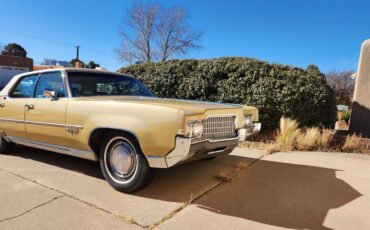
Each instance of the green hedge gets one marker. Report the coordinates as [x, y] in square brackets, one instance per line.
[276, 90]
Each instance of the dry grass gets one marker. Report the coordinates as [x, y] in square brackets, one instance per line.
[313, 139]
[127, 219]
[352, 143]
[272, 148]
[241, 165]
[224, 177]
[323, 142]
[287, 134]
[290, 137]
[306, 140]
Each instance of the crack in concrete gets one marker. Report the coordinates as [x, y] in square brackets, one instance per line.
[75, 198]
[153, 226]
[176, 211]
[31, 209]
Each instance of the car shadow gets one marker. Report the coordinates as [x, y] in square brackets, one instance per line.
[281, 194]
[87, 167]
[278, 194]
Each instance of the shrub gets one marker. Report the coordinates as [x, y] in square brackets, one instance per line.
[276, 90]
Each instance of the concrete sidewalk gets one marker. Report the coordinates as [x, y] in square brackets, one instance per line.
[304, 190]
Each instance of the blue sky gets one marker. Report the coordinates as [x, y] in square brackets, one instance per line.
[327, 33]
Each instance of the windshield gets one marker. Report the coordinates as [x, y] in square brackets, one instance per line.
[84, 84]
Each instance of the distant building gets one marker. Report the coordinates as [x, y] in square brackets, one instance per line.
[52, 64]
[11, 66]
[42, 67]
[60, 63]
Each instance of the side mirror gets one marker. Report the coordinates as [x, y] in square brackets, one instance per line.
[50, 94]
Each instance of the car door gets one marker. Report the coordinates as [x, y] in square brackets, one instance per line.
[45, 116]
[12, 107]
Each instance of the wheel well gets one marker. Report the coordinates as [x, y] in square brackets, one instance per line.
[97, 137]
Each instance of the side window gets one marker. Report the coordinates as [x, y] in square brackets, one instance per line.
[25, 87]
[52, 82]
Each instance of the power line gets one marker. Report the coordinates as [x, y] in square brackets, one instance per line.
[35, 37]
[89, 50]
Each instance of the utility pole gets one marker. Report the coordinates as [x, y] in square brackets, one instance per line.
[77, 52]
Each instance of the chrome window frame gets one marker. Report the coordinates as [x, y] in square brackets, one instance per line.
[50, 72]
[17, 83]
[62, 74]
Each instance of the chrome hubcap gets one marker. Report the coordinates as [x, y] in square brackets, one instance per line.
[122, 160]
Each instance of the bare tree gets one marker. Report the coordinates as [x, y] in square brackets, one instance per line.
[138, 31]
[175, 37]
[151, 32]
[342, 84]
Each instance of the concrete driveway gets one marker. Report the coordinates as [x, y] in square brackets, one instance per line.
[298, 190]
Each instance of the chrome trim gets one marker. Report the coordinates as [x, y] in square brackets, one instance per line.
[156, 162]
[107, 168]
[75, 126]
[225, 115]
[243, 133]
[12, 120]
[85, 154]
[219, 127]
[179, 153]
[66, 83]
[20, 78]
[42, 123]
[213, 141]
[218, 151]
[256, 128]
[252, 130]
[39, 73]
[182, 152]
[236, 118]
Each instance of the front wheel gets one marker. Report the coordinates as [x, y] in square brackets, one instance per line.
[123, 164]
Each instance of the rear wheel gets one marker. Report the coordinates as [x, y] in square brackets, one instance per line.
[5, 146]
[123, 164]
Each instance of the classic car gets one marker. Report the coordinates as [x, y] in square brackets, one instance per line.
[114, 119]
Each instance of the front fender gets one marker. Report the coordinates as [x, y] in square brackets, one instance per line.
[155, 128]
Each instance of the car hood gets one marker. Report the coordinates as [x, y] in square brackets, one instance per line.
[189, 106]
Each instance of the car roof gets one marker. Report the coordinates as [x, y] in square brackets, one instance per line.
[69, 69]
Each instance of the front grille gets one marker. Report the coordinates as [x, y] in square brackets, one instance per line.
[219, 127]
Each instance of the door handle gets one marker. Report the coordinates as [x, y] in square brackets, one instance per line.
[29, 106]
[2, 105]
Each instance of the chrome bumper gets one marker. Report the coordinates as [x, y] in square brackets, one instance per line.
[250, 131]
[185, 150]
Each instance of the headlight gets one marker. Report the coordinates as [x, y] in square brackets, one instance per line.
[248, 120]
[197, 129]
[194, 129]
